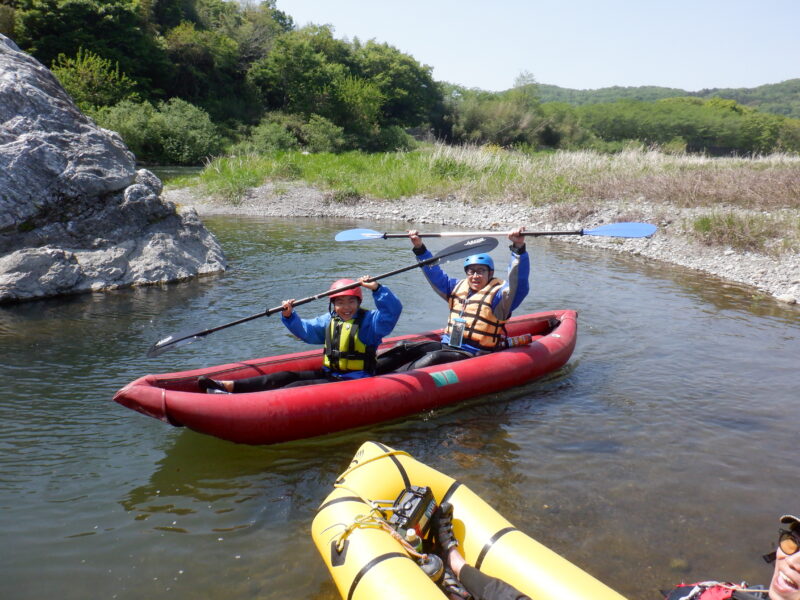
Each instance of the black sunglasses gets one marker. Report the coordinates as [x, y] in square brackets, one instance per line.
[788, 542]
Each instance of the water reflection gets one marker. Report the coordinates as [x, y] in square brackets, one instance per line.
[710, 290]
[663, 451]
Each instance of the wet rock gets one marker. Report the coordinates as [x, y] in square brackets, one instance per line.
[75, 214]
[680, 565]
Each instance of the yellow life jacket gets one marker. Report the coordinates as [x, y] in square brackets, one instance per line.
[344, 352]
[482, 329]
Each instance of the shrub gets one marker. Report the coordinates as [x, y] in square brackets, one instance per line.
[348, 196]
[92, 80]
[390, 139]
[132, 121]
[322, 135]
[270, 136]
[676, 145]
[185, 132]
[174, 133]
[291, 122]
[7, 20]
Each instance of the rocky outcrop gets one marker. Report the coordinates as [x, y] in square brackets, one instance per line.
[75, 214]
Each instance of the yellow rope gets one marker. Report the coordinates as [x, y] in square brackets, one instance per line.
[375, 518]
[361, 464]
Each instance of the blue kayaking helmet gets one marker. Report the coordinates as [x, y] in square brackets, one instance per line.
[479, 259]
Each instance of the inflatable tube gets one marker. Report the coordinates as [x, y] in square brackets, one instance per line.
[366, 562]
[286, 414]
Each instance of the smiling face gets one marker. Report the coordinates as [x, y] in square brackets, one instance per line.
[477, 277]
[346, 307]
[785, 584]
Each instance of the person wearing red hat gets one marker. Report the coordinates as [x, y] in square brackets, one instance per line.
[351, 335]
[784, 585]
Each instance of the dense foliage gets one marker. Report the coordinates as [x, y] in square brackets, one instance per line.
[93, 81]
[182, 80]
[777, 98]
[172, 132]
[690, 124]
[651, 93]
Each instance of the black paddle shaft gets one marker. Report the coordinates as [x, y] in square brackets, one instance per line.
[308, 299]
[471, 246]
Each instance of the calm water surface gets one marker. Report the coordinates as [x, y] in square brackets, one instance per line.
[665, 450]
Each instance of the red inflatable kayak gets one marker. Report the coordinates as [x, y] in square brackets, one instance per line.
[302, 412]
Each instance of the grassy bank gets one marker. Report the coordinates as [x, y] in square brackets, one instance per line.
[746, 203]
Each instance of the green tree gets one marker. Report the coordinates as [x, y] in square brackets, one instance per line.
[408, 89]
[218, 15]
[93, 81]
[204, 62]
[261, 25]
[113, 29]
[509, 118]
[561, 127]
[356, 106]
[763, 133]
[162, 15]
[297, 76]
[789, 138]
[525, 92]
[716, 126]
[8, 16]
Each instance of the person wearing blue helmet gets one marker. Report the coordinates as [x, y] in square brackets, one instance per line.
[480, 304]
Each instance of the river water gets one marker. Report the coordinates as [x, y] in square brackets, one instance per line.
[665, 450]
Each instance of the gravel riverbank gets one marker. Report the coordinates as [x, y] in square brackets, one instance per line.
[778, 277]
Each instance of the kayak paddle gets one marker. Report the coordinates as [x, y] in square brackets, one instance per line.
[467, 247]
[624, 230]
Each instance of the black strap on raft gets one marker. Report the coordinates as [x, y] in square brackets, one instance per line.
[488, 545]
[368, 566]
[398, 464]
[332, 343]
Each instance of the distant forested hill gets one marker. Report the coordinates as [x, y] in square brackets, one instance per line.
[778, 98]
[553, 93]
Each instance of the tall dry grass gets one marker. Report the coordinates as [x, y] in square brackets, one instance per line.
[572, 184]
[764, 183]
[766, 233]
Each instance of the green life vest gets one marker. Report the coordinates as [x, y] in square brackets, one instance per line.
[344, 351]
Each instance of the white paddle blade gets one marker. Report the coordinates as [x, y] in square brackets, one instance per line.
[354, 235]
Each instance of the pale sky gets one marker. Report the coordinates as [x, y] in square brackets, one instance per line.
[581, 44]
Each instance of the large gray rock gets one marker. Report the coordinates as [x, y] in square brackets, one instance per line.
[75, 214]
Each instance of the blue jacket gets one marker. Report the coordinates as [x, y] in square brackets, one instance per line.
[513, 291]
[374, 327]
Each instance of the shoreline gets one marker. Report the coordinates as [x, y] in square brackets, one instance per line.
[776, 277]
